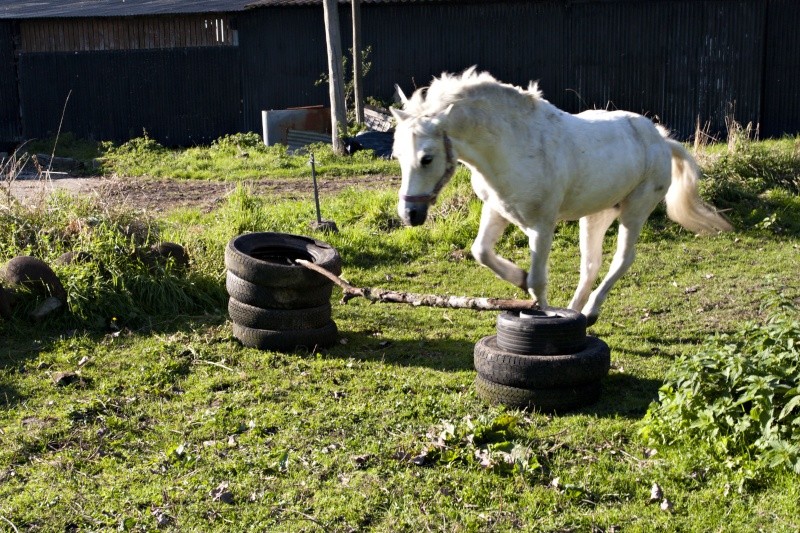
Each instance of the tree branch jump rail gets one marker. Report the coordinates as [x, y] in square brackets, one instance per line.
[429, 300]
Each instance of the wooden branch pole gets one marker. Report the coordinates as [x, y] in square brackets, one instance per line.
[428, 300]
[335, 78]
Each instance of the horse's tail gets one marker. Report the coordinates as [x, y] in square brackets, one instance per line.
[684, 204]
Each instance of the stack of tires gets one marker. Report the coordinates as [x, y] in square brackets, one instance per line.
[275, 303]
[542, 360]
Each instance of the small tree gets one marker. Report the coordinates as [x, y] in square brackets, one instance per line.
[350, 99]
[358, 95]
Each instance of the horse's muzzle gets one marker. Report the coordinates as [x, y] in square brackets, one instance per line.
[413, 214]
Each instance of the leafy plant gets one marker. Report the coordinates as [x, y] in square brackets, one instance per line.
[492, 444]
[238, 143]
[133, 158]
[117, 279]
[65, 145]
[738, 397]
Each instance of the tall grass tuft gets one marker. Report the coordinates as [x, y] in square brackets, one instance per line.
[759, 181]
[116, 281]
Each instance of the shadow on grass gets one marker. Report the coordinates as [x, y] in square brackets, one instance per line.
[9, 394]
[15, 352]
[623, 395]
[437, 354]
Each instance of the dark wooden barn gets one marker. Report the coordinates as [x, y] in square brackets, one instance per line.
[189, 72]
[117, 68]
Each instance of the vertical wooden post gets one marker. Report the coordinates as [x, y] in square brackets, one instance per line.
[358, 95]
[335, 79]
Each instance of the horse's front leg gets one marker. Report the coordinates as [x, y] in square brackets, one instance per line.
[541, 240]
[491, 229]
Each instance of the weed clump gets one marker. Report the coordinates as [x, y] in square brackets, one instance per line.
[738, 398]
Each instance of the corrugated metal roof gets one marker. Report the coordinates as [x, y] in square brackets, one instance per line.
[279, 3]
[26, 9]
[29, 9]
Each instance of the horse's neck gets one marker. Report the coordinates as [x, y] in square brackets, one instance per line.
[471, 130]
[487, 138]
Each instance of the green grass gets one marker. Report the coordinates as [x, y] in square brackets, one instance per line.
[171, 421]
[236, 157]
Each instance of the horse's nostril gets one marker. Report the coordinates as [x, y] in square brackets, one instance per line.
[415, 215]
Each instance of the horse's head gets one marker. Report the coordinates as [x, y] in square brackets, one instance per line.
[426, 158]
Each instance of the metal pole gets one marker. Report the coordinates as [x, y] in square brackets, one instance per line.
[316, 192]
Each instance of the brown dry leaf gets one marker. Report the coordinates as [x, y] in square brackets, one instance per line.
[161, 516]
[222, 494]
[361, 460]
[656, 493]
[62, 379]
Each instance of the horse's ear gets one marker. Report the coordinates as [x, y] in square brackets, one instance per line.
[399, 114]
[401, 94]
[443, 114]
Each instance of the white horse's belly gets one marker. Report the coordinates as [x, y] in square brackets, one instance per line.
[579, 203]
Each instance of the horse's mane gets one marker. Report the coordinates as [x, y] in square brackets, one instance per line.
[469, 85]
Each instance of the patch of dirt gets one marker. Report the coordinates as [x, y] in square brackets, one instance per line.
[154, 195]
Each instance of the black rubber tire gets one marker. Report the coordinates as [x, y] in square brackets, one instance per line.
[542, 371]
[276, 297]
[546, 400]
[34, 274]
[164, 252]
[278, 319]
[549, 331]
[73, 257]
[267, 259]
[290, 340]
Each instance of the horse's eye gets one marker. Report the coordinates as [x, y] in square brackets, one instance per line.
[426, 160]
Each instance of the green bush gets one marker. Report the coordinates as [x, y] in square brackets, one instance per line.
[753, 168]
[238, 142]
[738, 398]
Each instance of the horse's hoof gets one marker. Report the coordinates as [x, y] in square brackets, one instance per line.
[591, 319]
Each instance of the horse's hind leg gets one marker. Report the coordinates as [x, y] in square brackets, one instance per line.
[593, 230]
[630, 226]
[491, 229]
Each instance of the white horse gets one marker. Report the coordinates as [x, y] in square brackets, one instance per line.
[533, 165]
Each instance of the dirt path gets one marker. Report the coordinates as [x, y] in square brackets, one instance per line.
[163, 195]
